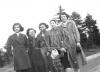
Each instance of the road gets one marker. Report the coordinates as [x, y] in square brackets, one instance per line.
[93, 64]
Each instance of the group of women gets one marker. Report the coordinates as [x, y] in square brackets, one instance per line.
[55, 50]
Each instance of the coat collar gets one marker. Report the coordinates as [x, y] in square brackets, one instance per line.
[18, 39]
[18, 34]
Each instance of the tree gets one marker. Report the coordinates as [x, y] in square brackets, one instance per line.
[61, 10]
[77, 18]
[93, 30]
[81, 27]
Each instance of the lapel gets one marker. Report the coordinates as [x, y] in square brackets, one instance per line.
[18, 39]
[45, 34]
[33, 42]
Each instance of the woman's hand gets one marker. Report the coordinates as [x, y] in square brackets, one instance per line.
[48, 53]
[78, 47]
[78, 44]
[63, 49]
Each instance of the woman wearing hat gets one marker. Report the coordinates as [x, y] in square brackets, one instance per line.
[19, 43]
[43, 43]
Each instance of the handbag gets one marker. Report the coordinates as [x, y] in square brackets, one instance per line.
[78, 49]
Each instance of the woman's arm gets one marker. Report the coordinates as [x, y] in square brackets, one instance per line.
[8, 46]
[76, 32]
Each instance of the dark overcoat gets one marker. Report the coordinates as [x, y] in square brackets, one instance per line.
[20, 55]
[42, 42]
[36, 58]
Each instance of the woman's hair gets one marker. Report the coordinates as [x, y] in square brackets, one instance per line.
[53, 20]
[21, 28]
[44, 25]
[27, 32]
[64, 13]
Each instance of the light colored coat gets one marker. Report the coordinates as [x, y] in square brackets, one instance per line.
[74, 38]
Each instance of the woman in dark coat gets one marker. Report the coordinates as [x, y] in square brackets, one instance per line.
[34, 52]
[43, 43]
[19, 43]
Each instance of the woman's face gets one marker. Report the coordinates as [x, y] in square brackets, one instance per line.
[31, 33]
[42, 27]
[63, 17]
[17, 28]
[53, 24]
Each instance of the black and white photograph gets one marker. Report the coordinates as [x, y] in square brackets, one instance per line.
[49, 36]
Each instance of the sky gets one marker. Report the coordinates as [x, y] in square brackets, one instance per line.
[30, 13]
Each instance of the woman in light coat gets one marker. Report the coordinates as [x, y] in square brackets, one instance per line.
[74, 39]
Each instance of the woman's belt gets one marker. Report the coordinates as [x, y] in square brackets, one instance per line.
[20, 46]
[49, 48]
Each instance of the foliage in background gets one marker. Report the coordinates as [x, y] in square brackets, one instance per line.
[4, 58]
[87, 27]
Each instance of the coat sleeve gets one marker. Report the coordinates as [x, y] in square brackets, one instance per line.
[38, 41]
[9, 45]
[48, 40]
[76, 32]
[26, 41]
